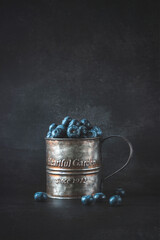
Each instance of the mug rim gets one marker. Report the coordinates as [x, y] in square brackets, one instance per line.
[72, 139]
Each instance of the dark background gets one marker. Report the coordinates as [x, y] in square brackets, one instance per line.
[83, 59]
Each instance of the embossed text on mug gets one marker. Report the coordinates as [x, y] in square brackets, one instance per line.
[71, 180]
[67, 163]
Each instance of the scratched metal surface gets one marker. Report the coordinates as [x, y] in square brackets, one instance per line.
[73, 167]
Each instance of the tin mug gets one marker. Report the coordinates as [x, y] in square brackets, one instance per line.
[74, 166]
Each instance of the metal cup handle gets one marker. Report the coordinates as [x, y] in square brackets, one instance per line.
[130, 154]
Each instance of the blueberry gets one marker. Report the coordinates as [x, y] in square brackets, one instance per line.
[74, 122]
[58, 133]
[92, 133]
[40, 196]
[49, 135]
[83, 131]
[115, 200]
[64, 129]
[87, 200]
[98, 130]
[52, 127]
[99, 197]
[66, 121]
[73, 132]
[86, 123]
[120, 192]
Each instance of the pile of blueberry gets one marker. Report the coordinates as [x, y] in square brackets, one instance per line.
[115, 200]
[72, 128]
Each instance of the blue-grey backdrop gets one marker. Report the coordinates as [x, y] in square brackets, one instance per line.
[78, 58]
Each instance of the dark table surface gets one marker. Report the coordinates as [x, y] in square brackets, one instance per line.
[23, 218]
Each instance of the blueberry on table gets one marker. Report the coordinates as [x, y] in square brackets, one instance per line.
[52, 127]
[73, 132]
[49, 135]
[99, 197]
[115, 200]
[83, 131]
[40, 196]
[66, 121]
[58, 133]
[86, 123]
[92, 133]
[87, 200]
[98, 131]
[120, 192]
[74, 122]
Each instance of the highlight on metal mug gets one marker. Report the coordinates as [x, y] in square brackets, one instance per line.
[74, 166]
